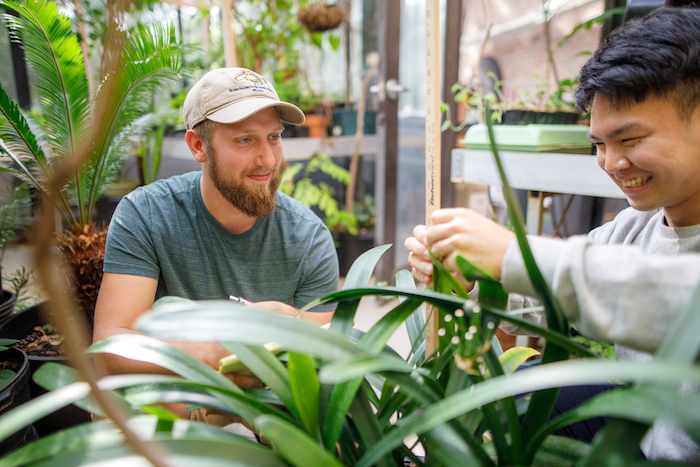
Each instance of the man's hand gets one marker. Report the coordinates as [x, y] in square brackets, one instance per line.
[317, 317]
[418, 256]
[460, 231]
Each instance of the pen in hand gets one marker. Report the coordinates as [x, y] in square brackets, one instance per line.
[240, 300]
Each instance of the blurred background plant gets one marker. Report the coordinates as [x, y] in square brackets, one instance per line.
[299, 183]
[149, 59]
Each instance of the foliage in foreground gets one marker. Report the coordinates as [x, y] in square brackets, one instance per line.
[340, 397]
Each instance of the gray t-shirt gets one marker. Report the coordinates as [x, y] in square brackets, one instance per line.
[164, 231]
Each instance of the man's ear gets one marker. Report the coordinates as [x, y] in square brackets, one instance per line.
[196, 145]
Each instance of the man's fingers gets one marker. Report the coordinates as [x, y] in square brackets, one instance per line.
[444, 215]
[416, 247]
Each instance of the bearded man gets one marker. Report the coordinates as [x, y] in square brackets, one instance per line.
[219, 232]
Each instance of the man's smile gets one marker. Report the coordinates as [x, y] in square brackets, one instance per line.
[635, 182]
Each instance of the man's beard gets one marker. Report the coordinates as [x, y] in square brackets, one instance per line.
[256, 202]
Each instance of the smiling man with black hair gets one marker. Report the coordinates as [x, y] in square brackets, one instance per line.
[619, 284]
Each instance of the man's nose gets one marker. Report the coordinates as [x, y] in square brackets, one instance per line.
[613, 160]
[266, 156]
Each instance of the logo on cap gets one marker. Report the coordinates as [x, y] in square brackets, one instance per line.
[252, 78]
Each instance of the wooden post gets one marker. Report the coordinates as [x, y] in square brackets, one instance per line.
[229, 41]
[432, 141]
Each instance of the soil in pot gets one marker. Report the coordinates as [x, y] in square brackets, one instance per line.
[21, 326]
[44, 341]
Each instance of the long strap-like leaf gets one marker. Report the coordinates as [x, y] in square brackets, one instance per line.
[543, 401]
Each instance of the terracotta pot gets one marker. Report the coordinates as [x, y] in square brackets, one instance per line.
[317, 125]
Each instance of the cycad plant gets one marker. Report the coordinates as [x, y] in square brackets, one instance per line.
[61, 128]
[340, 397]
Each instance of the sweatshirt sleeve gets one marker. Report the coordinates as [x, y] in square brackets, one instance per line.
[610, 293]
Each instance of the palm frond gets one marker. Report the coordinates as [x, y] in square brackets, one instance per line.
[54, 55]
[19, 143]
[109, 164]
[16, 133]
[151, 59]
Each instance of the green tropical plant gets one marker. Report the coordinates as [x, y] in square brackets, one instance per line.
[349, 400]
[36, 142]
[297, 182]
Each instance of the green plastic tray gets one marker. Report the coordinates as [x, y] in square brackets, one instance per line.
[531, 138]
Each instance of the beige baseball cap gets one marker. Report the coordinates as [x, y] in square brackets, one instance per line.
[229, 95]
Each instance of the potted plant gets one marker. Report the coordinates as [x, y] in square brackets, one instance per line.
[31, 331]
[14, 391]
[151, 59]
[310, 183]
[350, 400]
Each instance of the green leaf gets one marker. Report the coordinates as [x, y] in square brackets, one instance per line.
[293, 444]
[542, 403]
[266, 366]
[449, 448]
[37, 408]
[358, 275]
[317, 39]
[554, 375]
[213, 318]
[444, 274]
[367, 425]
[6, 376]
[450, 303]
[345, 370]
[52, 375]
[613, 444]
[512, 358]
[334, 40]
[337, 409]
[305, 389]
[361, 270]
[415, 323]
[375, 339]
[150, 389]
[557, 451]
[472, 272]
[147, 349]
[642, 405]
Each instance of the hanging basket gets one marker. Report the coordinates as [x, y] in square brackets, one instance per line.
[321, 16]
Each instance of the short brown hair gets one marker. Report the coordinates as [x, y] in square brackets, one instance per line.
[205, 130]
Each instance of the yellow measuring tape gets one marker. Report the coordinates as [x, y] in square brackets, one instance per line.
[432, 141]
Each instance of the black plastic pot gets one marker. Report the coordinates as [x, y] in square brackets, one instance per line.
[19, 326]
[13, 394]
[7, 304]
[350, 247]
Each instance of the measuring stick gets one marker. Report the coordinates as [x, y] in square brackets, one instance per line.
[432, 142]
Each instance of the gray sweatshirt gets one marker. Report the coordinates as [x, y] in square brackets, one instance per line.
[629, 296]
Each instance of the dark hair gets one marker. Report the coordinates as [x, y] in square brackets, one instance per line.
[658, 54]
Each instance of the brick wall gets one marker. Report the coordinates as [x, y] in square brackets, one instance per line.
[517, 40]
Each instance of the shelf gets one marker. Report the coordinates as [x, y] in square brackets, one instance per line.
[549, 172]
